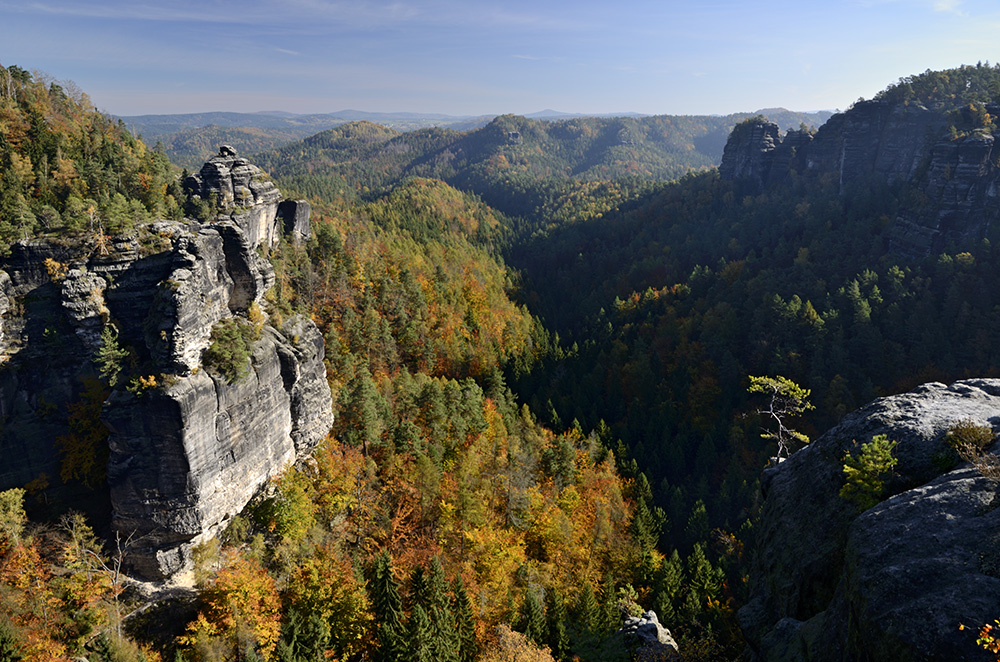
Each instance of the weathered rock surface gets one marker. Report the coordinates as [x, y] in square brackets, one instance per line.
[650, 639]
[958, 174]
[187, 457]
[294, 215]
[188, 453]
[243, 193]
[894, 582]
[749, 152]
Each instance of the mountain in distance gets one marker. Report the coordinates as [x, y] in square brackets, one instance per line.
[576, 282]
[549, 114]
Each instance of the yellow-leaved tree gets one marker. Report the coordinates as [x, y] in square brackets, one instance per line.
[242, 614]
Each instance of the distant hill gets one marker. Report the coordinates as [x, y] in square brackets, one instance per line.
[190, 139]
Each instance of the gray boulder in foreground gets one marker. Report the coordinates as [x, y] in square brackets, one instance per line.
[650, 639]
[895, 582]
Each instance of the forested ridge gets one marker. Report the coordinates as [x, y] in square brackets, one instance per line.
[66, 168]
[539, 342]
[560, 170]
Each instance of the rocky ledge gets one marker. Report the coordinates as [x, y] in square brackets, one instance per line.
[830, 583]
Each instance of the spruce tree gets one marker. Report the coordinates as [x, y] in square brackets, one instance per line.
[555, 612]
[587, 610]
[465, 625]
[533, 618]
[668, 595]
[702, 577]
[421, 637]
[419, 589]
[387, 607]
[610, 617]
[437, 585]
[10, 650]
[304, 638]
[444, 634]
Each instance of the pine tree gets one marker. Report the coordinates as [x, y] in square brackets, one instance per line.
[102, 648]
[387, 608]
[361, 405]
[110, 356]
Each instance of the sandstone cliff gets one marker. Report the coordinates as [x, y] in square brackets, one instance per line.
[894, 582]
[956, 173]
[189, 449]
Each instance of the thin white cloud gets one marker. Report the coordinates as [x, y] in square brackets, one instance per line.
[131, 11]
[950, 6]
[286, 51]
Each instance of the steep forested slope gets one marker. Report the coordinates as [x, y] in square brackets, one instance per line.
[545, 445]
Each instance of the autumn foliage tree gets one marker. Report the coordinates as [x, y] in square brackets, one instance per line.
[241, 616]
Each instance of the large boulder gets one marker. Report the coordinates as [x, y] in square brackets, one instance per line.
[830, 583]
[649, 639]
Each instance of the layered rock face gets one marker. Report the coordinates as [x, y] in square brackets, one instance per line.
[892, 583]
[188, 450]
[242, 192]
[187, 457]
[893, 142]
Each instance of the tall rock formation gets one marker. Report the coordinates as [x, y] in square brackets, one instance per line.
[188, 448]
[830, 584]
[956, 173]
[238, 190]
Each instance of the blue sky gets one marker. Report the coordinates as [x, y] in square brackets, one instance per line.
[471, 57]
